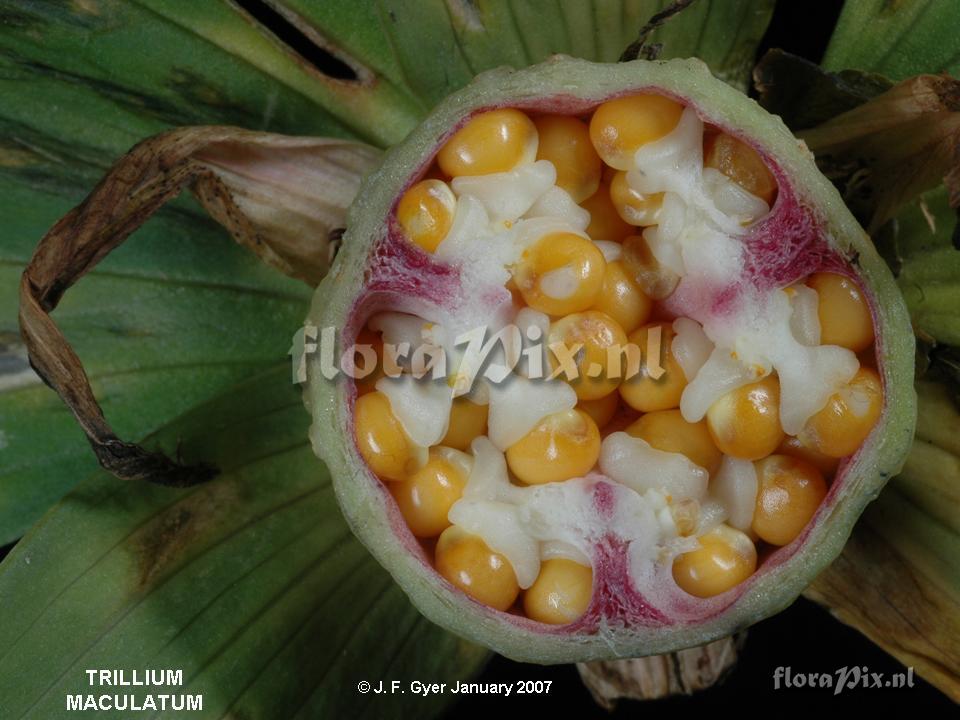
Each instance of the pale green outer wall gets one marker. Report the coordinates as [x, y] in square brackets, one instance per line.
[364, 506]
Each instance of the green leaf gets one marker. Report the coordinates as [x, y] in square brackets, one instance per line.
[929, 267]
[896, 38]
[723, 33]
[251, 584]
[354, 30]
[158, 64]
[471, 37]
[930, 479]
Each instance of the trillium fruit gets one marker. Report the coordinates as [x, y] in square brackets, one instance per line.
[697, 373]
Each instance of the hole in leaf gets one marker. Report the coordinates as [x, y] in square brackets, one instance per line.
[296, 40]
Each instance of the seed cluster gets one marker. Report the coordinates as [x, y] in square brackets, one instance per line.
[605, 288]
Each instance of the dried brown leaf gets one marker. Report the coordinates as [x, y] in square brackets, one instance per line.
[882, 594]
[292, 193]
[898, 578]
[681, 673]
[893, 147]
[281, 197]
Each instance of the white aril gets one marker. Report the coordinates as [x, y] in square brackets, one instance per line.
[508, 195]
[557, 203]
[422, 406]
[735, 489]
[632, 462]
[517, 405]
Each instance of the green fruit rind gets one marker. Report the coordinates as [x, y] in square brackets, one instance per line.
[364, 501]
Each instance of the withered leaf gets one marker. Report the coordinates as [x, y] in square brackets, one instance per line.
[279, 196]
[887, 151]
[658, 676]
[898, 578]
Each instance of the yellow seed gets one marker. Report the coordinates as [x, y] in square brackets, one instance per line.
[726, 557]
[653, 278]
[381, 439]
[794, 447]
[845, 318]
[469, 564]
[635, 208]
[605, 221]
[602, 409]
[561, 592]
[667, 430]
[494, 141]
[600, 335]
[789, 491]
[562, 446]
[427, 495]
[368, 384]
[620, 127]
[840, 428]
[622, 299]
[467, 421]
[644, 392]
[425, 212]
[741, 163]
[561, 273]
[745, 423]
[565, 141]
